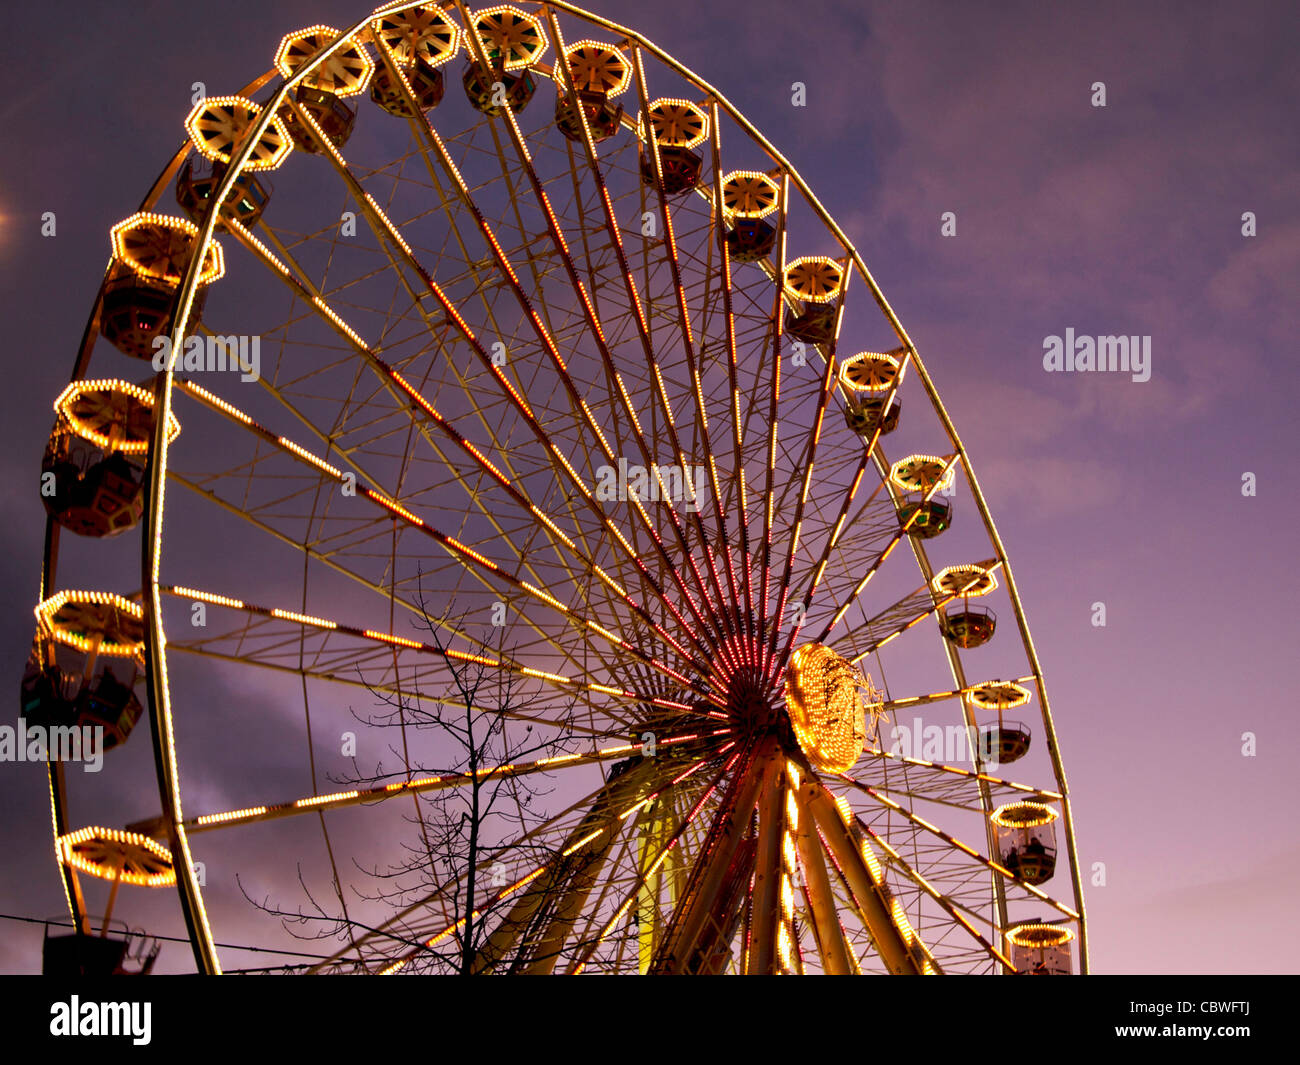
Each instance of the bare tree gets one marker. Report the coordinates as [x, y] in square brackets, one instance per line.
[469, 839]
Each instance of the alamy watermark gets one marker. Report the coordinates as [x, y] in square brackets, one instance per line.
[675, 484]
[212, 354]
[59, 743]
[131, 1020]
[1109, 354]
[949, 744]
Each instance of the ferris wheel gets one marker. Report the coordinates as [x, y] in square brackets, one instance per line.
[537, 361]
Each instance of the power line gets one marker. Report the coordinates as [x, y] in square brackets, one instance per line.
[172, 939]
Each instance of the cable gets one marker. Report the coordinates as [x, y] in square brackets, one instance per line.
[172, 939]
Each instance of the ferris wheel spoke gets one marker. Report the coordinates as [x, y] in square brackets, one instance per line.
[943, 783]
[469, 557]
[407, 687]
[425, 783]
[399, 387]
[869, 636]
[907, 702]
[729, 323]
[828, 381]
[409, 398]
[842, 513]
[687, 336]
[897, 537]
[778, 332]
[971, 854]
[437, 149]
[327, 628]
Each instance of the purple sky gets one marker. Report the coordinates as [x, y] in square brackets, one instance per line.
[1117, 220]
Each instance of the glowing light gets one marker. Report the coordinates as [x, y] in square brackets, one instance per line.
[966, 580]
[204, 396]
[901, 922]
[160, 246]
[1023, 815]
[998, 695]
[208, 597]
[596, 67]
[787, 849]
[584, 841]
[814, 278]
[231, 815]
[111, 854]
[869, 371]
[783, 946]
[345, 73]
[530, 672]
[388, 637]
[921, 473]
[397, 508]
[872, 862]
[422, 32]
[678, 123]
[749, 194]
[124, 410]
[303, 619]
[302, 452]
[94, 621]
[317, 800]
[218, 123]
[828, 716]
[510, 35]
[1038, 936]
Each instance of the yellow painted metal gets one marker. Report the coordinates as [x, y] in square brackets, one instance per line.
[895, 951]
[830, 936]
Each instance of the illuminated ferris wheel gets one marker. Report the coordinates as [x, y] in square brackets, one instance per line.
[538, 360]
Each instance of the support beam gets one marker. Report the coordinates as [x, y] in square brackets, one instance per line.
[902, 956]
[720, 847]
[826, 923]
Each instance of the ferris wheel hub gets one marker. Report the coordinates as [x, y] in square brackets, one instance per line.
[826, 711]
[749, 704]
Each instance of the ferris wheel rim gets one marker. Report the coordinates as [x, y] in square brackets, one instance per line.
[157, 673]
